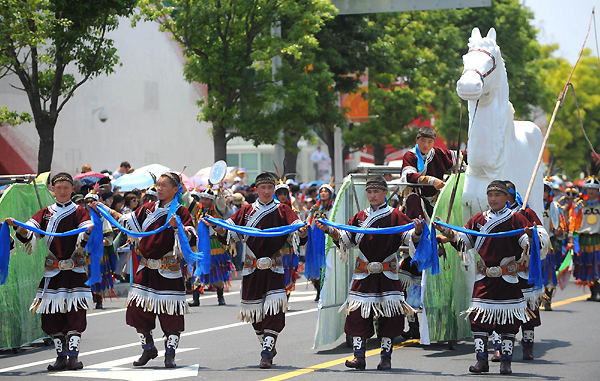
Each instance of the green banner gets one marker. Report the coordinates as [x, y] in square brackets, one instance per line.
[448, 293]
[18, 326]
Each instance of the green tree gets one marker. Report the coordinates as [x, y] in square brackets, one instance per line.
[569, 151]
[520, 51]
[399, 87]
[229, 46]
[40, 39]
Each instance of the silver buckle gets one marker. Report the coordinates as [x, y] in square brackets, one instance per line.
[66, 264]
[494, 272]
[153, 264]
[375, 267]
[263, 263]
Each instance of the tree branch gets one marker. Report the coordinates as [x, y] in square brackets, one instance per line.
[15, 87]
[85, 78]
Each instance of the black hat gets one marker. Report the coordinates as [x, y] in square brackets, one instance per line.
[377, 182]
[103, 181]
[426, 132]
[77, 198]
[499, 186]
[265, 178]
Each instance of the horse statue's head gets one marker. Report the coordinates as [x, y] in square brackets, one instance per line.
[483, 67]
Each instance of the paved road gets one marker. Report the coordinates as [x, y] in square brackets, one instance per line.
[216, 346]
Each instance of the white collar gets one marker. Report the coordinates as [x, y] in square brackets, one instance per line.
[501, 211]
[260, 203]
[378, 208]
[68, 203]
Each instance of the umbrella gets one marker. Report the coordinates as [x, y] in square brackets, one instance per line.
[313, 183]
[89, 178]
[189, 184]
[201, 177]
[140, 178]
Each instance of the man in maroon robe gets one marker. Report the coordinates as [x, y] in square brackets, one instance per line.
[264, 299]
[420, 201]
[158, 289]
[497, 303]
[533, 297]
[63, 297]
[375, 290]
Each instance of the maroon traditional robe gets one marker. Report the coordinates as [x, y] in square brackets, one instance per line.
[264, 300]
[376, 295]
[497, 301]
[62, 296]
[158, 291]
[532, 297]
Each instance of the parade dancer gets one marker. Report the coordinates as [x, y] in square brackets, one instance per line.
[584, 224]
[158, 289]
[533, 297]
[214, 205]
[264, 299]
[375, 290]
[555, 225]
[288, 253]
[108, 262]
[62, 298]
[322, 209]
[497, 303]
[423, 164]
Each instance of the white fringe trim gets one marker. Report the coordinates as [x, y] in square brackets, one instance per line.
[408, 280]
[60, 305]
[254, 311]
[155, 305]
[387, 308]
[498, 316]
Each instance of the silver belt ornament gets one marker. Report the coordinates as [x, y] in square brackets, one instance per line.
[153, 264]
[493, 272]
[375, 268]
[66, 264]
[264, 263]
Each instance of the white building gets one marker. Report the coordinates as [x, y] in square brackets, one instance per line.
[152, 118]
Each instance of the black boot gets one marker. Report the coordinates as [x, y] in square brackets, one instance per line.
[196, 298]
[508, 343]
[150, 352]
[413, 327]
[171, 344]
[60, 343]
[386, 354]
[360, 347]
[481, 345]
[595, 290]
[268, 351]
[548, 301]
[317, 284]
[527, 344]
[220, 296]
[73, 340]
[98, 297]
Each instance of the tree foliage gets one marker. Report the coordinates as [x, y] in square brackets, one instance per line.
[569, 151]
[230, 45]
[40, 39]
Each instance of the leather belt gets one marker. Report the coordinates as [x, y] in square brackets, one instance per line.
[170, 263]
[363, 267]
[510, 268]
[263, 263]
[64, 264]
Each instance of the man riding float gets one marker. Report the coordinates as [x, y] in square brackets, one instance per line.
[423, 164]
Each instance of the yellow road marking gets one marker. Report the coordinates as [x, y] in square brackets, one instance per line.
[374, 352]
[329, 364]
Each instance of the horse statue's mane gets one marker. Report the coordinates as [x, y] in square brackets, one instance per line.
[498, 147]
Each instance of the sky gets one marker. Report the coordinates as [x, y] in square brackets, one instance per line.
[565, 22]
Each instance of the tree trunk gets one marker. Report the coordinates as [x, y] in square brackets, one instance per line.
[291, 159]
[379, 154]
[45, 128]
[330, 141]
[219, 142]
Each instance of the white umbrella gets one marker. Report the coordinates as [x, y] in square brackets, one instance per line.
[140, 178]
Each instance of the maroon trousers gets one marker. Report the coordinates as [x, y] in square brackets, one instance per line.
[256, 287]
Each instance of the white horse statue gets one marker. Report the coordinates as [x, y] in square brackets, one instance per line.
[498, 148]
